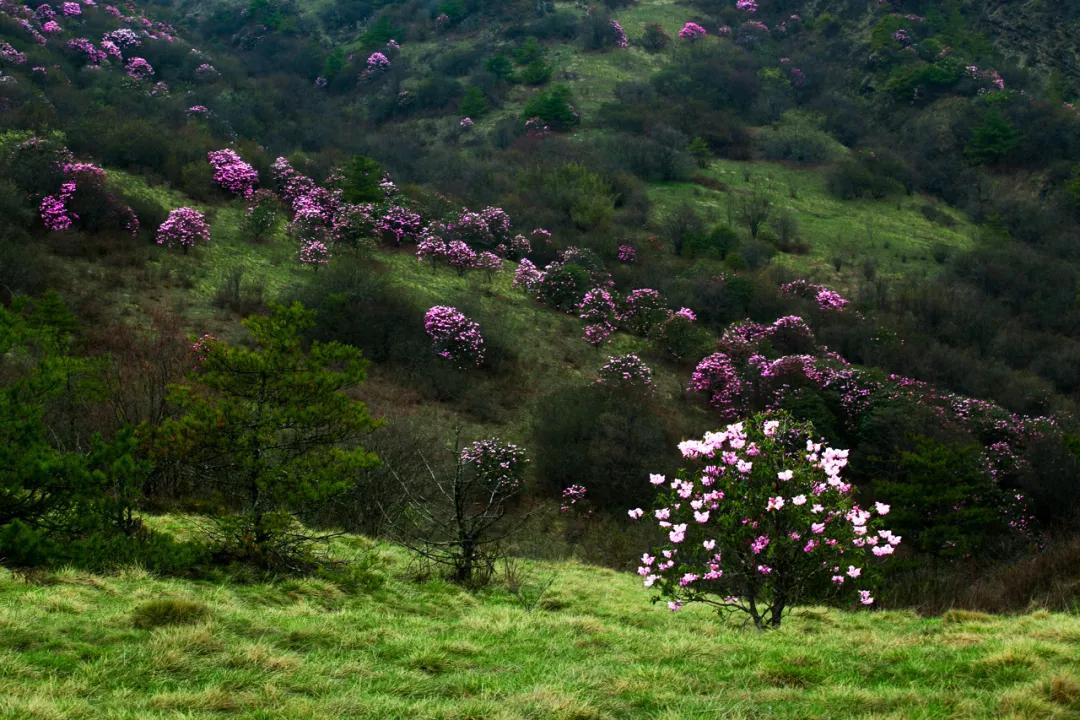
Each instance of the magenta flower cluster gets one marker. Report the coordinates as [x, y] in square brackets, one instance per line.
[621, 40]
[9, 54]
[598, 311]
[54, 212]
[826, 298]
[71, 9]
[761, 515]
[185, 228]
[232, 173]
[139, 69]
[625, 371]
[627, 254]
[377, 61]
[692, 31]
[455, 337]
[314, 253]
[499, 464]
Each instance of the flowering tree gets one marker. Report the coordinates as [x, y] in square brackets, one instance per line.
[625, 371]
[458, 521]
[643, 310]
[527, 276]
[54, 212]
[597, 309]
[454, 336]
[184, 228]
[460, 256]
[692, 31]
[761, 521]
[139, 69]
[232, 173]
[314, 253]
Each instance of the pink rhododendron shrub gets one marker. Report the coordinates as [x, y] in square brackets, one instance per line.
[621, 40]
[527, 276]
[643, 311]
[377, 61]
[627, 254]
[124, 38]
[692, 31]
[71, 9]
[314, 253]
[139, 69]
[489, 262]
[232, 173]
[488, 227]
[625, 372]
[825, 298]
[761, 520]
[184, 228]
[54, 212]
[8, 53]
[460, 256]
[399, 224]
[454, 336]
[717, 378]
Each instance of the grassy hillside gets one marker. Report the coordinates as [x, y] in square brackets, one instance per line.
[384, 645]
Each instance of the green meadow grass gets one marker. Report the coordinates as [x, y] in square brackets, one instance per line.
[390, 645]
[892, 233]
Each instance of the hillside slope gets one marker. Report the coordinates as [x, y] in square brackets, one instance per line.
[382, 645]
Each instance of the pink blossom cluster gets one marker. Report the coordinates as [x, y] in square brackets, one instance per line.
[643, 310]
[86, 170]
[377, 61]
[625, 371]
[399, 224]
[621, 40]
[692, 31]
[498, 463]
[198, 110]
[571, 496]
[717, 377]
[185, 228]
[51, 27]
[527, 276]
[520, 246]
[826, 298]
[487, 227]
[53, 209]
[597, 309]
[761, 513]
[627, 254]
[466, 123]
[124, 38]
[206, 71]
[71, 9]
[139, 69]
[747, 6]
[314, 253]
[9, 54]
[232, 173]
[454, 336]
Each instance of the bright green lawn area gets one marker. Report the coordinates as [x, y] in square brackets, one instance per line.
[593, 647]
[893, 233]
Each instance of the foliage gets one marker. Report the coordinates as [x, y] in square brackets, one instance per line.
[762, 522]
[271, 431]
[458, 519]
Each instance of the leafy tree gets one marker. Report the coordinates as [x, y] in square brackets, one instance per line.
[992, 141]
[473, 103]
[54, 488]
[947, 504]
[555, 107]
[273, 429]
[360, 180]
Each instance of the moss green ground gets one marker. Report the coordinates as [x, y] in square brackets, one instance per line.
[387, 645]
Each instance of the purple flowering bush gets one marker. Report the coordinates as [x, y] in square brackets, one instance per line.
[184, 228]
[760, 521]
[232, 173]
[454, 336]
